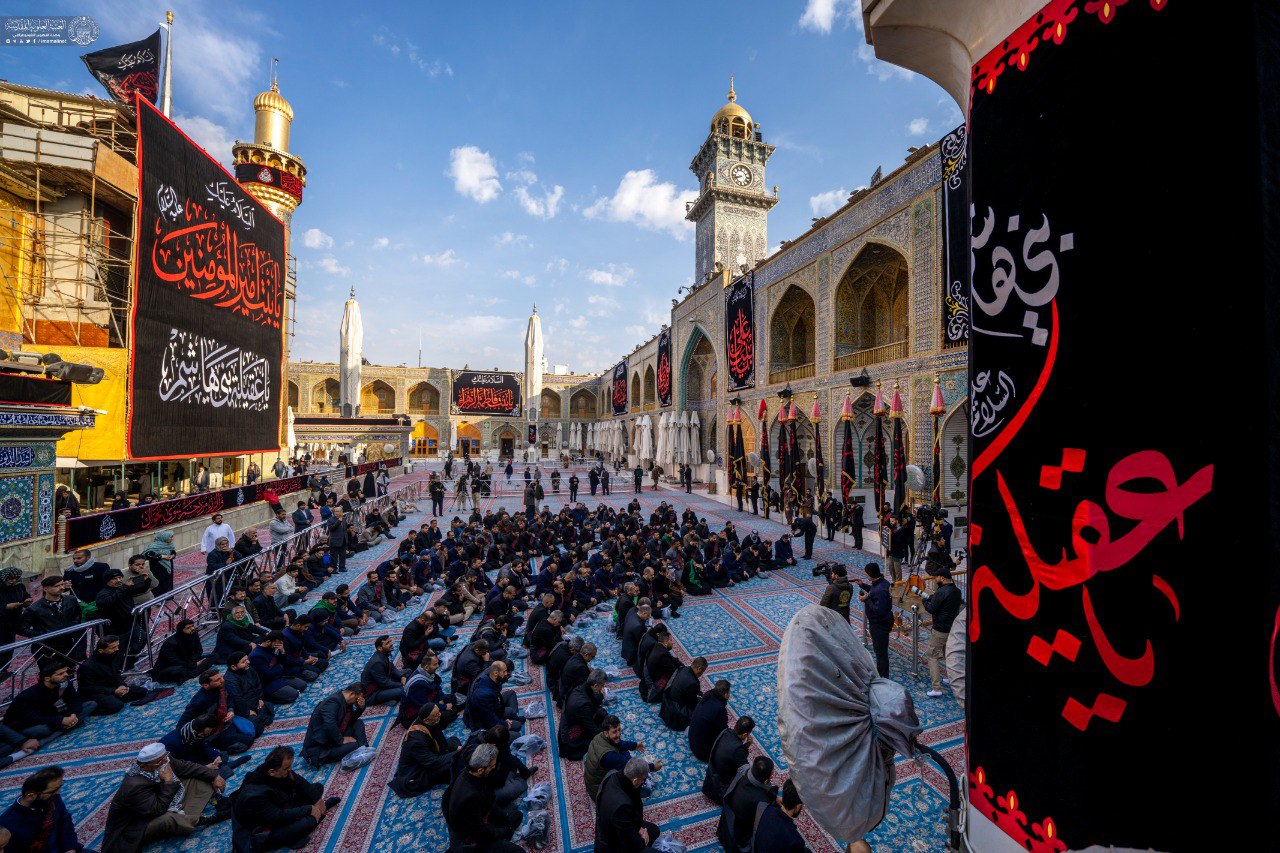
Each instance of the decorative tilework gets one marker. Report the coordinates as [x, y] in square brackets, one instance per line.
[14, 457]
[17, 507]
[30, 419]
[44, 504]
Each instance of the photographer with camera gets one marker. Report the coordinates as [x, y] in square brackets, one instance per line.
[944, 606]
[839, 591]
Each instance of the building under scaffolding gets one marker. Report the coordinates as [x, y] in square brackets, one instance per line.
[68, 191]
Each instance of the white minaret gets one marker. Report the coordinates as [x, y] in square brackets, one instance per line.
[533, 365]
[350, 358]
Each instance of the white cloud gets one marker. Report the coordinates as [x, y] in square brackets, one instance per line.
[447, 258]
[381, 243]
[557, 265]
[511, 274]
[331, 265]
[640, 199]
[314, 238]
[602, 306]
[474, 173]
[578, 322]
[509, 238]
[820, 15]
[544, 206]
[918, 126]
[637, 332]
[209, 135]
[828, 202]
[881, 70]
[614, 275]
[433, 68]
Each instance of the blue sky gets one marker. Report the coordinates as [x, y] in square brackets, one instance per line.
[467, 160]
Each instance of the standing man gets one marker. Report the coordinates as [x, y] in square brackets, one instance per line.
[202, 478]
[688, 479]
[604, 480]
[301, 517]
[215, 531]
[573, 488]
[803, 525]
[839, 591]
[337, 529]
[879, 607]
[753, 492]
[899, 547]
[944, 606]
[857, 520]
[85, 575]
[638, 476]
[593, 477]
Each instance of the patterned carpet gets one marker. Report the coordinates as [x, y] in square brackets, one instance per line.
[738, 630]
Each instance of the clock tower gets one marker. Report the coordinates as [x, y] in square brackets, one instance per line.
[732, 207]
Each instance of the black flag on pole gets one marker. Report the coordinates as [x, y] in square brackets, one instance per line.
[846, 463]
[128, 69]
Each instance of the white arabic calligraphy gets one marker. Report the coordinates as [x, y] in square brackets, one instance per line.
[989, 400]
[199, 370]
[131, 59]
[167, 201]
[222, 193]
[1003, 275]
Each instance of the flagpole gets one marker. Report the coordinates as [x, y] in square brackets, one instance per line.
[166, 104]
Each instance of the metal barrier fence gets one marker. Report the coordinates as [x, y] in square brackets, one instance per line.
[202, 599]
[66, 645]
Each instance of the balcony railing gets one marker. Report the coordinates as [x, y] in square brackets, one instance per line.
[648, 407]
[872, 355]
[791, 374]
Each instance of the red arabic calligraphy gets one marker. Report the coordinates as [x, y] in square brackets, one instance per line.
[142, 82]
[486, 399]
[664, 377]
[741, 349]
[209, 260]
[620, 393]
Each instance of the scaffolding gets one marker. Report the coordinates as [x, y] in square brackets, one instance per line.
[68, 182]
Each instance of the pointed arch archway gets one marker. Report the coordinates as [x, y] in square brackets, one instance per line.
[582, 405]
[650, 386]
[954, 433]
[377, 398]
[549, 404]
[698, 371]
[792, 337]
[633, 400]
[324, 396]
[424, 399]
[871, 303]
[293, 395]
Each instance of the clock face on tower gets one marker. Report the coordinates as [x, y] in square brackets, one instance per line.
[741, 175]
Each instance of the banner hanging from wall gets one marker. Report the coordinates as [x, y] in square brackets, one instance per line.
[251, 173]
[128, 69]
[954, 152]
[664, 368]
[619, 394]
[1093, 696]
[492, 393]
[207, 340]
[740, 333]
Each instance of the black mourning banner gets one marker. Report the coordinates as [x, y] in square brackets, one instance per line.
[206, 342]
[954, 152]
[740, 333]
[128, 69]
[664, 368]
[533, 434]
[1105, 663]
[493, 393]
[256, 173]
[620, 388]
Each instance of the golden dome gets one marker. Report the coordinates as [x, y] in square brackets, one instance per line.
[273, 100]
[730, 112]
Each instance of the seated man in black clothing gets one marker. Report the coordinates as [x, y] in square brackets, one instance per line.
[545, 637]
[749, 788]
[583, 714]
[636, 623]
[681, 696]
[475, 821]
[425, 756]
[620, 823]
[335, 730]
[270, 616]
[50, 707]
[776, 829]
[275, 807]
[728, 753]
[99, 679]
[710, 717]
[660, 666]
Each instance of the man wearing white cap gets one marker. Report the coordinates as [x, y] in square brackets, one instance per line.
[161, 797]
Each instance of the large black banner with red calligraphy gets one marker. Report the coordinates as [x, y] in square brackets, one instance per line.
[206, 342]
[740, 333]
[129, 69]
[619, 390]
[493, 393]
[664, 368]
[1109, 649]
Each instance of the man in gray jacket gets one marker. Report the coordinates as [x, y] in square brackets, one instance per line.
[161, 797]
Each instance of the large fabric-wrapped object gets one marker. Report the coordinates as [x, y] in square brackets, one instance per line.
[841, 724]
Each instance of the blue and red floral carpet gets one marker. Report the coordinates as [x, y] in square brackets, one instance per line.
[738, 630]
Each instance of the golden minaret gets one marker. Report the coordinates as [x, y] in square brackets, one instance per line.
[265, 167]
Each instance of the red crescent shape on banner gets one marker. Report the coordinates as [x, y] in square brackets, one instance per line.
[996, 447]
[1275, 689]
